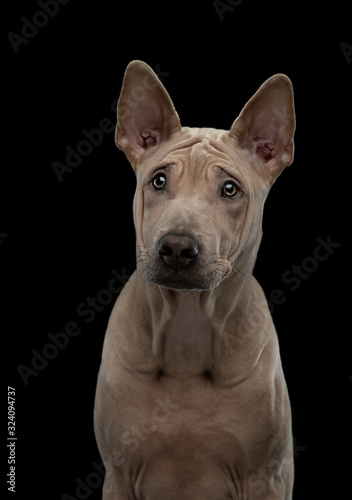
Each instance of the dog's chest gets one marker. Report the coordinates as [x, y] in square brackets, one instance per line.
[187, 466]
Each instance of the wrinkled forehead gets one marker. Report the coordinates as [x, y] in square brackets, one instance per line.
[197, 149]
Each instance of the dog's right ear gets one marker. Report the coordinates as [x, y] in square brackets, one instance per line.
[145, 113]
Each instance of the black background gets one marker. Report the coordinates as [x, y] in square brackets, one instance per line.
[60, 240]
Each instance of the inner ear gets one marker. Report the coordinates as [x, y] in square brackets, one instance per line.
[268, 136]
[264, 142]
[148, 124]
[150, 138]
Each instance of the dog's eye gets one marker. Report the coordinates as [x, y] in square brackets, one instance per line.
[159, 182]
[230, 190]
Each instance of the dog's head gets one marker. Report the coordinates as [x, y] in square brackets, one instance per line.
[200, 192]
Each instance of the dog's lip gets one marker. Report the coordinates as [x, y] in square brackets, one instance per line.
[197, 275]
[180, 280]
[182, 287]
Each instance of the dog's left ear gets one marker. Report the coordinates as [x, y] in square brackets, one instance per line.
[145, 113]
[266, 125]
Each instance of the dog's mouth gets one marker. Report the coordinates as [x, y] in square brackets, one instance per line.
[182, 280]
[179, 280]
[198, 275]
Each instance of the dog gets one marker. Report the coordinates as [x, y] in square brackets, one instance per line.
[191, 400]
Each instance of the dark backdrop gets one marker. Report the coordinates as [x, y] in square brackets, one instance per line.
[62, 242]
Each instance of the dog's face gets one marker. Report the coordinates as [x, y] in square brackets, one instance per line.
[200, 192]
[195, 210]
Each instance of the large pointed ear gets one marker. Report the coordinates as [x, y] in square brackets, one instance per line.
[145, 113]
[266, 125]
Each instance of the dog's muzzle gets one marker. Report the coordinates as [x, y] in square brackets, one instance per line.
[181, 262]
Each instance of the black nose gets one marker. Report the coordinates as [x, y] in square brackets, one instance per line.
[178, 251]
